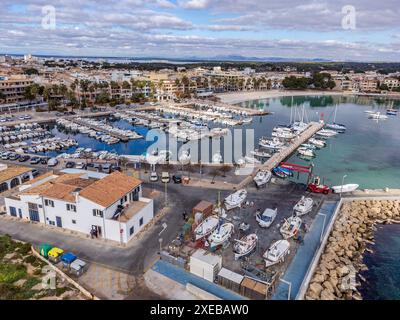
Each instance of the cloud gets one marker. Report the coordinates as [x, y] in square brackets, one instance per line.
[194, 4]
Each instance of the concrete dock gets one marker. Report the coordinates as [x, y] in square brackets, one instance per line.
[284, 153]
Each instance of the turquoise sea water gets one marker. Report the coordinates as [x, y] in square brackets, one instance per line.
[368, 153]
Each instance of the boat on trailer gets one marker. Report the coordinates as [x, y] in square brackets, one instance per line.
[206, 227]
[245, 245]
[304, 206]
[290, 227]
[345, 188]
[235, 199]
[221, 234]
[276, 252]
[262, 178]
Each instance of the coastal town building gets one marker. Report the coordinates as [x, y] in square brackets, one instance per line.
[108, 206]
[13, 176]
[13, 87]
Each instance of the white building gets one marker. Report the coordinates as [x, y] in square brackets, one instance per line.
[12, 176]
[112, 206]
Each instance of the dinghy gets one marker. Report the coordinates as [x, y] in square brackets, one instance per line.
[291, 227]
[262, 178]
[245, 245]
[235, 199]
[206, 227]
[221, 234]
[345, 188]
[266, 218]
[276, 252]
[304, 206]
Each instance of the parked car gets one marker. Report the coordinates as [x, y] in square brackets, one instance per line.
[35, 172]
[153, 176]
[24, 158]
[106, 168]
[52, 162]
[35, 160]
[5, 155]
[44, 160]
[80, 165]
[13, 156]
[114, 167]
[70, 164]
[177, 178]
[165, 178]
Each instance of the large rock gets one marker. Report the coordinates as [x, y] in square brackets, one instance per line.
[328, 286]
[342, 271]
[315, 290]
[327, 295]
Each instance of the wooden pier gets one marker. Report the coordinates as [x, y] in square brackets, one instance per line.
[284, 153]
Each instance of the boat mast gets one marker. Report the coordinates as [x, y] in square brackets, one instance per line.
[334, 117]
[291, 111]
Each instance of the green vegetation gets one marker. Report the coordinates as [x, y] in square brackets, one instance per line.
[319, 80]
[31, 71]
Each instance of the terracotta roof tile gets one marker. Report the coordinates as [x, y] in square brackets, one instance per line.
[110, 189]
[12, 171]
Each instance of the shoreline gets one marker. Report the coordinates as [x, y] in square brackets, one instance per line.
[339, 269]
[238, 97]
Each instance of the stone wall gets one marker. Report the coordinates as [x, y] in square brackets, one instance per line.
[336, 276]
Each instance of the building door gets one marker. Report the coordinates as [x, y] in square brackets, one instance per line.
[96, 230]
[59, 222]
[33, 212]
[13, 211]
[20, 213]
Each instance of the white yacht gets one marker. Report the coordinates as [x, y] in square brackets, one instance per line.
[260, 154]
[290, 227]
[317, 143]
[271, 143]
[206, 227]
[251, 160]
[327, 133]
[245, 245]
[262, 178]
[276, 252]
[306, 152]
[221, 234]
[304, 206]
[235, 199]
[267, 217]
[377, 116]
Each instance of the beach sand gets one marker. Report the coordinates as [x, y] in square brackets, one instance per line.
[236, 97]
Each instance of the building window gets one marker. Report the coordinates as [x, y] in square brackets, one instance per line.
[49, 203]
[52, 223]
[97, 213]
[71, 207]
[13, 211]
[73, 221]
[131, 230]
[141, 221]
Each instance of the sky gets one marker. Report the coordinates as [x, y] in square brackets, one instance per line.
[340, 30]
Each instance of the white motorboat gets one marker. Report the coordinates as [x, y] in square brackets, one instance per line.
[284, 134]
[221, 234]
[262, 178]
[308, 146]
[235, 199]
[247, 120]
[206, 227]
[345, 188]
[276, 252]
[245, 245]
[274, 143]
[267, 217]
[184, 158]
[261, 154]
[217, 158]
[306, 152]
[290, 227]
[377, 116]
[317, 143]
[304, 206]
[327, 133]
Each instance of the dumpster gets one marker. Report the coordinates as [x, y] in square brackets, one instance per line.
[44, 250]
[67, 258]
[55, 254]
[78, 267]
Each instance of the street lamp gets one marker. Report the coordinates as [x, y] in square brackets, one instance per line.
[341, 189]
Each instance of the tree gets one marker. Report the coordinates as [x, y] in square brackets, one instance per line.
[31, 71]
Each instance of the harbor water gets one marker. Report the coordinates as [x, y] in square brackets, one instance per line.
[367, 153]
